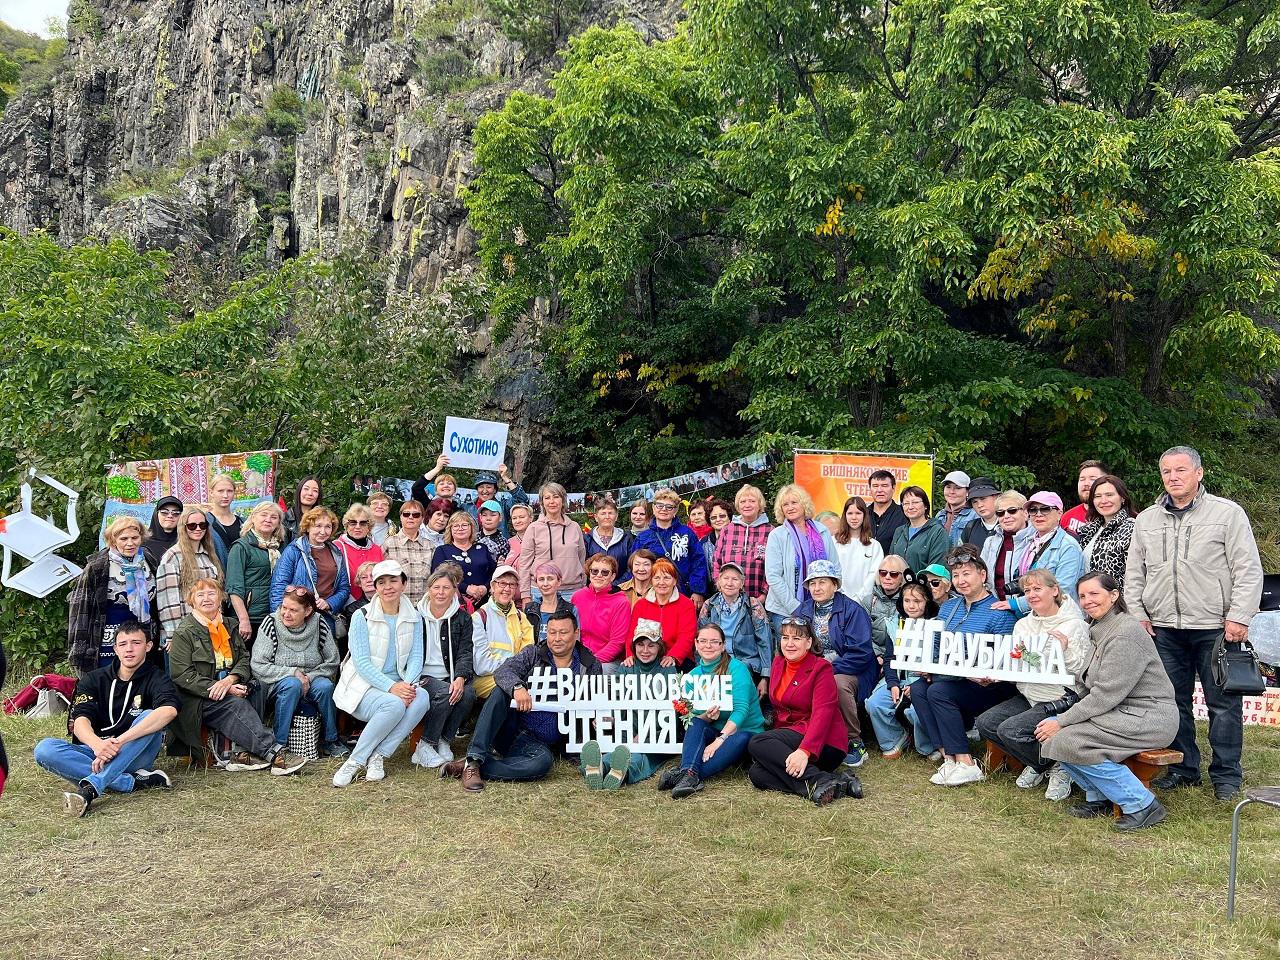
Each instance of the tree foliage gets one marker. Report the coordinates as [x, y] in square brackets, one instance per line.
[1017, 233]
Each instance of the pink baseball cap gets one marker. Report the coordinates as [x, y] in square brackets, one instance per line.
[1048, 498]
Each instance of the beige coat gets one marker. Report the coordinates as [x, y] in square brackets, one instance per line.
[1192, 571]
[1129, 704]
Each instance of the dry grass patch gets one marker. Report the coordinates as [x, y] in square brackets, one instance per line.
[246, 865]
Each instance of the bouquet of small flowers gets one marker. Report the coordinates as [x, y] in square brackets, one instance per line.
[684, 710]
[1023, 652]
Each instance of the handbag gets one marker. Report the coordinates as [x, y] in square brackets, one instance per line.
[304, 736]
[1236, 669]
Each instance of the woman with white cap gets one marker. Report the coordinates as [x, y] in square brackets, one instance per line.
[843, 629]
[1050, 548]
[378, 680]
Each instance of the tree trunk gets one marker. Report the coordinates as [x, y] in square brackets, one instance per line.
[1153, 377]
[1119, 341]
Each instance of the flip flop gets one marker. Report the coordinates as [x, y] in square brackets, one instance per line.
[592, 766]
[619, 760]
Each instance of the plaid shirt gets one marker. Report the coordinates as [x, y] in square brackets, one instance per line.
[171, 605]
[744, 546]
[415, 557]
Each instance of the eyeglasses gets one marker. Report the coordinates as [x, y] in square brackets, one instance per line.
[197, 525]
[297, 592]
[891, 574]
[601, 572]
[411, 515]
[935, 582]
[795, 622]
[1001, 513]
[1039, 510]
[664, 506]
[356, 523]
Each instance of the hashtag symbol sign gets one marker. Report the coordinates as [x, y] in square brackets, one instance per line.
[542, 686]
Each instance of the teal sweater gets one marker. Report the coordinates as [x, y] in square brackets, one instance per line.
[746, 714]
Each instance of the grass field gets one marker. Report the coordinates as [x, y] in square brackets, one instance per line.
[247, 865]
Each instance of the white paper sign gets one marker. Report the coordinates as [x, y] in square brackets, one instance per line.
[474, 444]
[923, 646]
[632, 710]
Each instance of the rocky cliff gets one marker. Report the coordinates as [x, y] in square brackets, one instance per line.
[255, 130]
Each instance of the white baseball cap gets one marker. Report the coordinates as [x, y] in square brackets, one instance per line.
[958, 477]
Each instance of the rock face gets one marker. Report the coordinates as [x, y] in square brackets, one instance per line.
[255, 130]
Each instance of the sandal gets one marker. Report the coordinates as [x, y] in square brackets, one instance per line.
[619, 761]
[592, 766]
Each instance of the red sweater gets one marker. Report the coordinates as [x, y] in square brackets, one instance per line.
[356, 556]
[809, 704]
[679, 622]
[605, 620]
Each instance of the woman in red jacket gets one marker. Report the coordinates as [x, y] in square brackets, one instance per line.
[809, 740]
[665, 604]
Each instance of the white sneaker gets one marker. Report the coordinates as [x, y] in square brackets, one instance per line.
[346, 773]
[424, 755]
[1029, 778]
[446, 754]
[964, 773]
[940, 778]
[374, 769]
[1059, 784]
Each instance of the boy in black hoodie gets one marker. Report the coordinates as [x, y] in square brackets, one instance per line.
[117, 720]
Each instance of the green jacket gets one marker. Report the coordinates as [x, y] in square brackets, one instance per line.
[249, 575]
[191, 667]
[929, 545]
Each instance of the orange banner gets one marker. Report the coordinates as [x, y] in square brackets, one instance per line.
[832, 477]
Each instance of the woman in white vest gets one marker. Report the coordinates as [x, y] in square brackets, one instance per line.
[378, 682]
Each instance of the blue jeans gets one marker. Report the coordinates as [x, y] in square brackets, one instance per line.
[74, 761]
[523, 756]
[889, 733]
[1112, 780]
[697, 736]
[287, 694]
[387, 722]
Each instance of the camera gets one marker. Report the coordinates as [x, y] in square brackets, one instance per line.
[1061, 705]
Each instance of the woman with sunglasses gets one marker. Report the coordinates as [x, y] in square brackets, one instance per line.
[891, 574]
[163, 530]
[885, 705]
[357, 544]
[716, 740]
[187, 561]
[809, 739]
[604, 614]
[312, 561]
[938, 579]
[250, 564]
[1000, 553]
[411, 549]
[1049, 548]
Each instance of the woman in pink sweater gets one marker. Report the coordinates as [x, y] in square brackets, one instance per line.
[604, 613]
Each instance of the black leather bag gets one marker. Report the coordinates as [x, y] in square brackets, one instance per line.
[1236, 669]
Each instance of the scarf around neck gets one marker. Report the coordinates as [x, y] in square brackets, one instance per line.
[137, 582]
[272, 545]
[807, 549]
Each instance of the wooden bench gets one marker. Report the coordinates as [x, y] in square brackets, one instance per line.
[1146, 766]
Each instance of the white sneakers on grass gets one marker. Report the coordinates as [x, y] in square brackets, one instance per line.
[944, 771]
[954, 774]
[346, 773]
[1059, 784]
[425, 755]
[1029, 779]
[373, 771]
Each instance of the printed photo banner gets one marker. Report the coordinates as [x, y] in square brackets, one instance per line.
[924, 646]
[632, 710]
[687, 484]
[1262, 710]
[134, 488]
[833, 476]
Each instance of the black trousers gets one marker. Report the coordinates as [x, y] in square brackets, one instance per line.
[1011, 725]
[769, 752]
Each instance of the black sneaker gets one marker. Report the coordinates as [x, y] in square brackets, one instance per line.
[670, 777]
[1091, 808]
[1226, 792]
[151, 780]
[1172, 780]
[78, 802]
[850, 785]
[689, 784]
[1148, 816]
[825, 790]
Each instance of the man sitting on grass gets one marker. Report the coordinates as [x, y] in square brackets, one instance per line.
[522, 746]
[117, 721]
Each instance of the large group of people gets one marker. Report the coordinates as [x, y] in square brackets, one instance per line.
[224, 632]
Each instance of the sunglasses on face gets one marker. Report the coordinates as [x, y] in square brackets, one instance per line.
[197, 525]
[935, 583]
[601, 573]
[411, 515]
[891, 574]
[356, 523]
[1039, 511]
[170, 512]
[1001, 513]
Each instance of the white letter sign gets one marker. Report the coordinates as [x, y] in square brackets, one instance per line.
[474, 444]
[922, 646]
